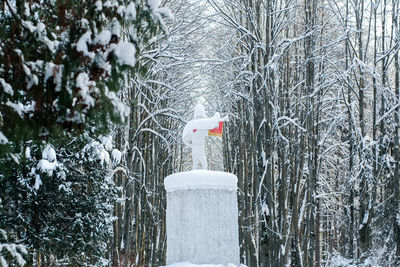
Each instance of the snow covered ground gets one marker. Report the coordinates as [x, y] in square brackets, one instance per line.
[188, 264]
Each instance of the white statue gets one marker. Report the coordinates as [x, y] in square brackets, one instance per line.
[196, 130]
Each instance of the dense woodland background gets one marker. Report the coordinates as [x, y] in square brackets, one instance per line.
[312, 90]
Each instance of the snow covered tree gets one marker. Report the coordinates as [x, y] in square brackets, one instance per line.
[61, 66]
[308, 79]
[59, 202]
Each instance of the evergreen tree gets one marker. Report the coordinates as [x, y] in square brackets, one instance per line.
[61, 63]
[59, 202]
[61, 66]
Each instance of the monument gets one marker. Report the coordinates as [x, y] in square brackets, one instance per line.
[202, 214]
[195, 132]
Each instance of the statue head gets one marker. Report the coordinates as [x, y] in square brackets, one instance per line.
[199, 111]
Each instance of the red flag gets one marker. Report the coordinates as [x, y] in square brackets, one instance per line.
[217, 131]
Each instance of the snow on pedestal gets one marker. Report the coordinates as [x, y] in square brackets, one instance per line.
[202, 218]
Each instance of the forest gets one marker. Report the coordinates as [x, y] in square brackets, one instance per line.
[94, 96]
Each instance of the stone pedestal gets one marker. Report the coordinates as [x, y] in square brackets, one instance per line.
[202, 218]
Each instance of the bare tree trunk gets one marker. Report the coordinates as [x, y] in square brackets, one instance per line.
[311, 253]
[364, 230]
[396, 178]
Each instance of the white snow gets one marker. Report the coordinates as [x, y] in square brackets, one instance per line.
[83, 82]
[110, 4]
[130, 10]
[119, 107]
[28, 152]
[52, 45]
[32, 80]
[17, 107]
[20, 108]
[15, 251]
[116, 154]
[29, 25]
[121, 10]
[154, 4]
[27, 70]
[27, 11]
[46, 166]
[125, 52]
[397, 215]
[115, 27]
[15, 158]
[339, 261]
[104, 157]
[103, 64]
[38, 182]
[35, 65]
[103, 38]
[188, 264]
[81, 45]
[99, 5]
[158, 11]
[6, 87]
[49, 154]
[265, 209]
[197, 179]
[55, 71]
[107, 142]
[3, 138]
[85, 23]
[40, 27]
